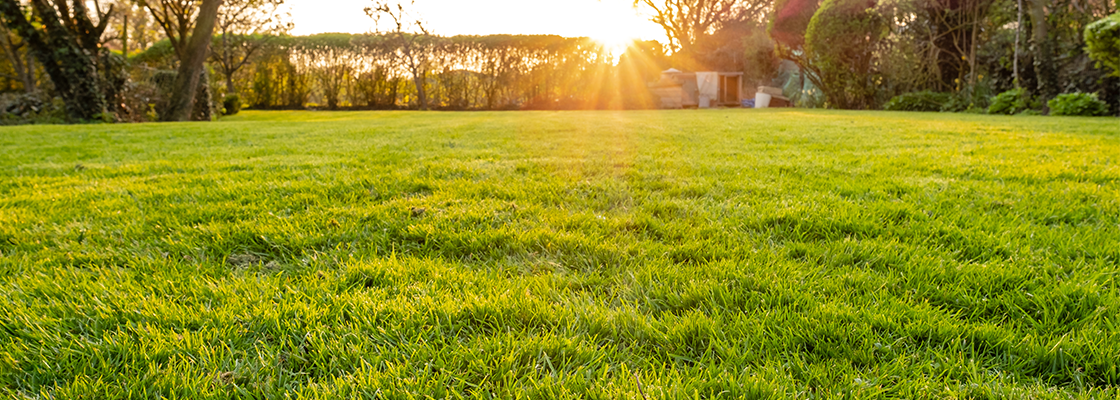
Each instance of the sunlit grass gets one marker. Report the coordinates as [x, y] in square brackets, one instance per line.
[719, 254]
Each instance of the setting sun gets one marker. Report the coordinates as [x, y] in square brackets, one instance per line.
[618, 36]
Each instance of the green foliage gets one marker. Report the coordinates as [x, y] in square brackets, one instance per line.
[840, 43]
[463, 73]
[1102, 42]
[68, 51]
[164, 79]
[760, 63]
[957, 103]
[326, 40]
[780, 254]
[151, 114]
[1078, 104]
[1012, 102]
[802, 92]
[160, 55]
[973, 100]
[919, 101]
[930, 101]
[231, 104]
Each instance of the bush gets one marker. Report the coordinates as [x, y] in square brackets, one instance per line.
[142, 95]
[919, 101]
[975, 102]
[1102, 42]
[842, 42]
[957, 104]
[762, 64]
[231, 104]
[1078, 104]
[1012, 102]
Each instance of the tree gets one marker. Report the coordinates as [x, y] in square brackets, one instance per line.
[333, 61]
[687, 21]
[951, 28]
[706, 34]
[955, 29]
[189, 26]
[1102, 39]
[279, 79]
[1043, 51]
[642, 62]
[131, 28]
[377, 81]
[412, 40]
[69, 47]
[176, 18]
[789, 20]
[462, 72]
[788, 23]
[243, 27]
[760, 58]
[498, 61]
[1018, 43]
[841, 42]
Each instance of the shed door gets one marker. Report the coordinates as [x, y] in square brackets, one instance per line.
[729, 90]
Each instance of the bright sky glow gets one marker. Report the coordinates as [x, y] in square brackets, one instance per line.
[613, 22]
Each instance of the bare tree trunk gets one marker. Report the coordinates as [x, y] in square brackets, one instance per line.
[230, 89]
[124, 37]
[1018, 39]
[421, 92]
[973, 45]
[419, 75]
[226, 63]
[190, 65]
[1044, 54]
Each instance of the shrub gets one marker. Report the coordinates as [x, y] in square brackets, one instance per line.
[919, 101]
[957, 104]
[1011, 102]
[1102, 42]
[139, 99]
[973, 101]
[762, 63]
[231, 104]
[1078, 104]
[842, 42]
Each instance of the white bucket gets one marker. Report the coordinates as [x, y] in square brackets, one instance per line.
[762, 100]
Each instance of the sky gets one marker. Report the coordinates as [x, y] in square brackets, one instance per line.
[614, 22]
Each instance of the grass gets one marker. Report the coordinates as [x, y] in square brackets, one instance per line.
[695, 254]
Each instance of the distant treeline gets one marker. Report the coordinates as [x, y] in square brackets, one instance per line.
[499, 72]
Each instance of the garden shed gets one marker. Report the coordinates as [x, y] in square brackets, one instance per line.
[678, 89]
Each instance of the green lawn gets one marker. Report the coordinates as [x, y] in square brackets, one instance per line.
[711, 254]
